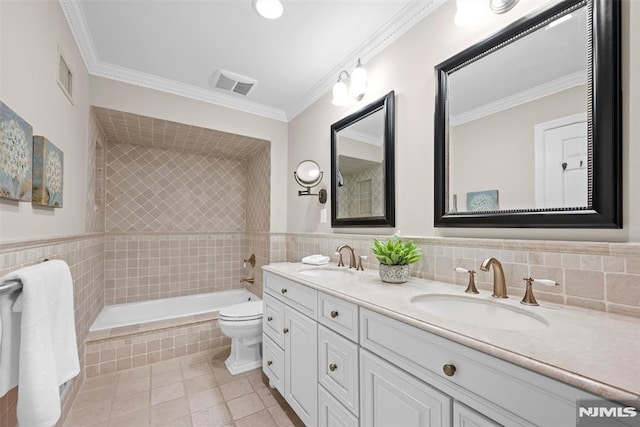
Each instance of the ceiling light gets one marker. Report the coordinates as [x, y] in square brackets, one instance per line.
[502, 6]
[470, 12]
[343, 95]
[270, 9]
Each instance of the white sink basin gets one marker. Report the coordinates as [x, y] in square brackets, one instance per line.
[326, 272]
[479, 312]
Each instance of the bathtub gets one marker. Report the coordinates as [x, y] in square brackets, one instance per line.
[135, 313]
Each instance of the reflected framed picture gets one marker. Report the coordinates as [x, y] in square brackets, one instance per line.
[48, 171]
[15, 156]
[482, 201]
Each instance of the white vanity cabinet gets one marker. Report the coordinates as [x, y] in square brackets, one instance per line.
[290, 344]
[502, 392]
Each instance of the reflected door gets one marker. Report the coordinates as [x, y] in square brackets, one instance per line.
[562, 165]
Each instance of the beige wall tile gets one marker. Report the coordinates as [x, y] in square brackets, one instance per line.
[584, 284]
[623, 289]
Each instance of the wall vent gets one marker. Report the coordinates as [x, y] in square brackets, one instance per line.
[232, 82]
[65, 77]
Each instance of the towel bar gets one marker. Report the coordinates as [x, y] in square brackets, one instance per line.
[10, 286]
[13, 285]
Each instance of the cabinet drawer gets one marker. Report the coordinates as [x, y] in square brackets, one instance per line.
[273, 363]
[507, 393]
[273, 319]
[302, 298]
[338, 315]
[331, 413]
[338, 368]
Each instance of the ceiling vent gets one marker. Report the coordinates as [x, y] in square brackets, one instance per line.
[231, 82]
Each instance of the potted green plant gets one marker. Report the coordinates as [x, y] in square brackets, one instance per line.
[395, 257]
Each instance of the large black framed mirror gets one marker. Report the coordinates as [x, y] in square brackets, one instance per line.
[528, 128]
[362, 166]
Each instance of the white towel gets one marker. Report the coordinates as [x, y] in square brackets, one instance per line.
[9, 343]
[48, 348]
[316, 259]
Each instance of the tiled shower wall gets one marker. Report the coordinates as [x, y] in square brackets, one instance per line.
[84, 254]
[140, 267]
[158, 199]
[159, 191]
[600, 276]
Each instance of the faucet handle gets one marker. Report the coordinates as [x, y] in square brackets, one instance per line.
[360, 258]
[340, 263]
[528, 298]
[471, 287]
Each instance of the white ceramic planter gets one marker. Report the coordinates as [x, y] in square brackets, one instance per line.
[394, 273]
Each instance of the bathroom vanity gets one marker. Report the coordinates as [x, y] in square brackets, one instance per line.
[345, 349]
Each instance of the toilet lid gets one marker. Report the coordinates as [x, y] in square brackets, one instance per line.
[245, 311]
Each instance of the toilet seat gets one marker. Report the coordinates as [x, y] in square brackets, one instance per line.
[246, 311]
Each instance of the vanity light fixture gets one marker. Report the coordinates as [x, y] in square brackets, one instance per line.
[269, 9]
[470, 12]
[342, 94]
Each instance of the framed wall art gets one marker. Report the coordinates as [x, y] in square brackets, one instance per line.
[48, 168]
[16, 153]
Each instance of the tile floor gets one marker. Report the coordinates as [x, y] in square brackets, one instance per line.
[194, 390]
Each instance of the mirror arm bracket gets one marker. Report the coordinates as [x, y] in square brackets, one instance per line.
[322, 194]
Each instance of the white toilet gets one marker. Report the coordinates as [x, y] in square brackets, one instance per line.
[243, 324]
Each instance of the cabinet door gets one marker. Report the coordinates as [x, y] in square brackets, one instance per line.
[273, 363]
[338, 367]
[331, 413]
[463, 416]
[301, 365]
[392, 398]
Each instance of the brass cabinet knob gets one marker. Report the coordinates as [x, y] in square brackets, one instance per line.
[285, 330]
[333, 367]
[283, 290]
[269, 319]
[334, 314]
[269, 363]
[449, 370]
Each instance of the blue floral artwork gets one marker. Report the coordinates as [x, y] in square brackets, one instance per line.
[48, 167]
[15, 156]
[482, 201]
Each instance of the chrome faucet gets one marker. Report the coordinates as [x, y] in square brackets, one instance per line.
[499, 283]
[352, 256]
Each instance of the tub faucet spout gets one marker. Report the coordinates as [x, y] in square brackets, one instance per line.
[499, 283]
[246, 281]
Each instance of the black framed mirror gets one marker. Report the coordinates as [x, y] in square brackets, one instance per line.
[362, 166]
[528, 128]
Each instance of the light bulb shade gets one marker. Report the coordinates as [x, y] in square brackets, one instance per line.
[358, 82]
[270, 9]
[340, 94]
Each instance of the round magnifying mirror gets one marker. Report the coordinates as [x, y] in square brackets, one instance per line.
[308, 173]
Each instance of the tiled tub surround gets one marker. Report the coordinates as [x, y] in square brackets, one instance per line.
[126, 347]
[85, 256]
[599, 276]
[140, 267]
[577, 347]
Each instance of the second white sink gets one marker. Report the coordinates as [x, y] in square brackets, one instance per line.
[478, 312]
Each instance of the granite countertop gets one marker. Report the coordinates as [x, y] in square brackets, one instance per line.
[592, 350]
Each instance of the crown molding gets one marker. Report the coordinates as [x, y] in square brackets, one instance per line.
[537, 92]
[361, 136]
[151, 81]
[396, 27]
